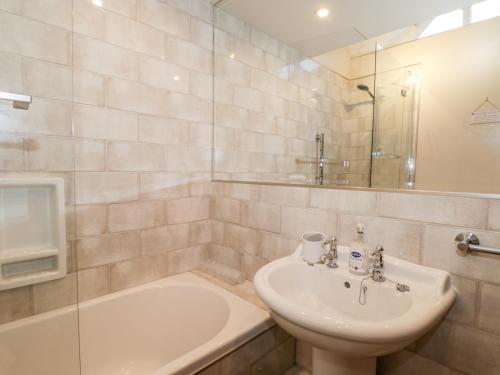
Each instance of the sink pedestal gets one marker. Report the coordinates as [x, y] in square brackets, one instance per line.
[331, 363]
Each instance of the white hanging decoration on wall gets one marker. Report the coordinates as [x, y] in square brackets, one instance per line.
[486, 117]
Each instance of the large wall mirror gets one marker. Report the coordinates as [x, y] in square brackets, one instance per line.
[390, 95]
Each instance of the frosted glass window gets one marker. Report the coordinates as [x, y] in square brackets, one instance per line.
[484, 10]
[445, 22]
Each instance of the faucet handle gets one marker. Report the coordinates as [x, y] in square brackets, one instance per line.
[332, 242]
[378, 252]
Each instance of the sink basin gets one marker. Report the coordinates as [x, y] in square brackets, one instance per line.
[348, 328]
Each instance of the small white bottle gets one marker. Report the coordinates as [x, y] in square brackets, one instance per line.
[358, 257]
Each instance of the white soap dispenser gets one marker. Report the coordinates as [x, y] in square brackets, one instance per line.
[358, 257]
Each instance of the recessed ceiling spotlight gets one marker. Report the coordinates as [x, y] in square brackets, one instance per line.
[323, 12]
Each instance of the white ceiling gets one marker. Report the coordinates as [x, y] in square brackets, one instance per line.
[295, 22]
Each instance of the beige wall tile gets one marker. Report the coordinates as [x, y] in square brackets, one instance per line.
[168, 238]
[134, 35]
[276, 246]
[104, 58]
[16, 304]
[201, 85]
[227, 209]
[186, 210]
[345, 201]
[92, 283]
[11, 74]
[406, 363]
[135, 97]
[231, 70]
[91, 220]
[46, 116]
[285, 196]
[50, 154]
[89, 19]
[200, 232]
[94, 122]
[138, 271]
[164, 185]
[163, 130]
[125, 7]
[201, 33]
[261, 216]
[135, 215]
[188, 159]
[47, 80]
[88, 88]
[55, 294]
[109, 248]
[164, 17]
[400, 238]
[131, 156]
[439, 251]
[264, 41]
[278, 361]
[249, 54]
[242, 191]
[226, 256]
[241, 239]
[94, 187]
[489, 318]
[187, 259]
[90, 155]
[12, 152]
[53, 12]
[494, 215]
[34, 39]
[231, 117]
[158, 73]
[460, 347]
[188, 55]
[232, 25]
[201, 9]
[200, 135]
[304, 355]
[251, 264]
[464, 308]
[188, 107]
[239, 361]
[297, 221]
[435, 209]
[276, 106]
[249, 98]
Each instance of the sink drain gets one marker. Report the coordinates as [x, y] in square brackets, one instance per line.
[347, 285]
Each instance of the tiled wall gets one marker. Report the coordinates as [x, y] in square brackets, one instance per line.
[36, 59]
[122, 109]
[271, 102]
[270, 353]
[258, 223]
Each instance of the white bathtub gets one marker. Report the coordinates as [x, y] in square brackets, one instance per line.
[177, 325]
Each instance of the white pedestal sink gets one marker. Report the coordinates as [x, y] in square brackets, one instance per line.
[322, 306]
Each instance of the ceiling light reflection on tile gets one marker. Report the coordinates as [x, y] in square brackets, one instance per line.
[323, 12]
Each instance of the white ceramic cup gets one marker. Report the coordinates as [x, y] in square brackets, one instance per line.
[312, 246]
